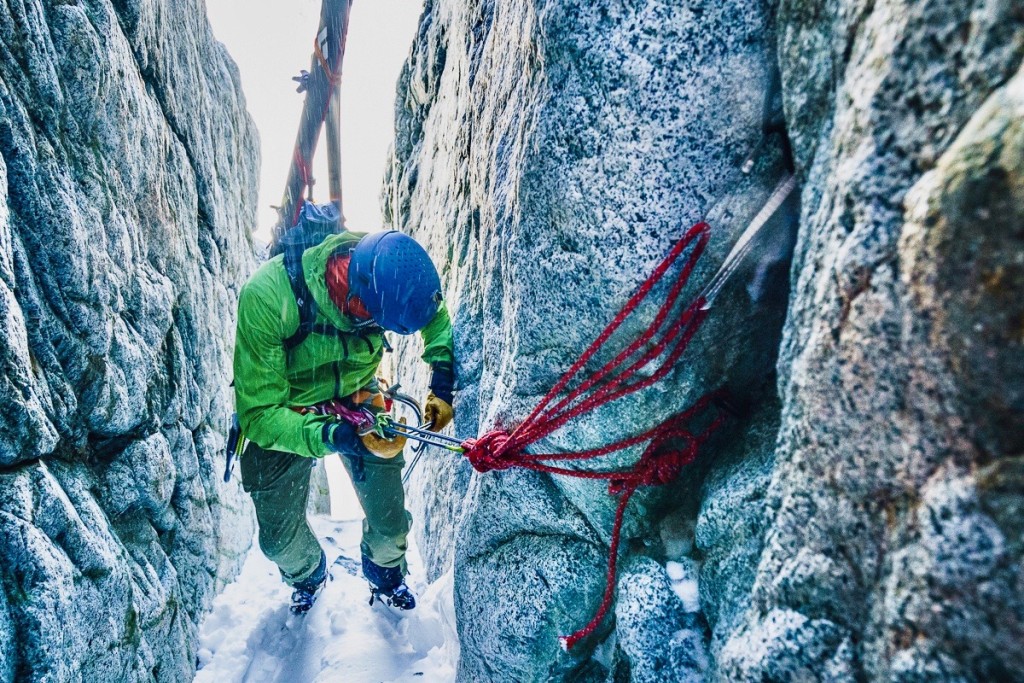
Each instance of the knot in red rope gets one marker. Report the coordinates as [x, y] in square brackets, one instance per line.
[495, 450]
[665, 466]
[659, 465]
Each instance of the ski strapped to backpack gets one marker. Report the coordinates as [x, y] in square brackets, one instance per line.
[319, 85]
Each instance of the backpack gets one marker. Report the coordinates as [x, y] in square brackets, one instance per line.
[316, 223]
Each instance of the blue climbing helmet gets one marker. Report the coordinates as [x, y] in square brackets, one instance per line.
[396, 280]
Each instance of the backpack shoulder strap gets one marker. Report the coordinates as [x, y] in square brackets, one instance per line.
[303, 298]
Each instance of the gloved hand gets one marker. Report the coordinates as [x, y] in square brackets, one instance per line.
[438, 408]
[381, 447]
[438, 412]
[341, 437]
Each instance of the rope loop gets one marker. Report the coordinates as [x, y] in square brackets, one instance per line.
[646, 359]
[665, 468]
[495, 450]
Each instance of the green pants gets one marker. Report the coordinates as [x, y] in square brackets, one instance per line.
[279, 485]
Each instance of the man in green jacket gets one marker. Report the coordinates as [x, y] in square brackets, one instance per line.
[310, 337]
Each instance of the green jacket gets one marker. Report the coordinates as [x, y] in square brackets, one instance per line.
[270, 381]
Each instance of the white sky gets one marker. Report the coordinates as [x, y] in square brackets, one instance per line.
[271, 41]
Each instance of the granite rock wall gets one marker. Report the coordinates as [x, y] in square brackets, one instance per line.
[894, 550]
[858, 517]
[128, 173]
[549, 154]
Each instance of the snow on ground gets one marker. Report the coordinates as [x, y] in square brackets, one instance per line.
[683, 578]
[251, 637]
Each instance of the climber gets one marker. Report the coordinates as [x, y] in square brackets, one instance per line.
[310, 336]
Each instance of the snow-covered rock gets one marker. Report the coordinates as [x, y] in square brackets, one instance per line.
[855, 520]
[127, 187]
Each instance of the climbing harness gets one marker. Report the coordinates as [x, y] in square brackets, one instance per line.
[384, 425]
[368, 419]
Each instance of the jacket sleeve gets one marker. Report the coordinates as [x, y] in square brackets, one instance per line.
[437, 338]
[261, 386]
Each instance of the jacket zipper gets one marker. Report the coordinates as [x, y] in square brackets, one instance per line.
[337, 379]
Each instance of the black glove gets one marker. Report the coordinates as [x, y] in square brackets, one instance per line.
[341, 437]
[442, 381]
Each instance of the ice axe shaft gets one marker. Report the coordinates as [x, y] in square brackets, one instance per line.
[233, 448]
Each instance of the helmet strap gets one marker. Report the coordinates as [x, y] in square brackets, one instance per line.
[357, 322]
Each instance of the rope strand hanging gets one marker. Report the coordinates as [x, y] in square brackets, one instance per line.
[671, 446]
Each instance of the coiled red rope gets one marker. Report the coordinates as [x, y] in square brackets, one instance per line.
[671, 446]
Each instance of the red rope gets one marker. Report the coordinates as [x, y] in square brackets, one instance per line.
[670, 446]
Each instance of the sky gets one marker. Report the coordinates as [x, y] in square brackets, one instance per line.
[271, 42]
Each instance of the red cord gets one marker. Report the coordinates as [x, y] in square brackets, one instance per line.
[670, 446]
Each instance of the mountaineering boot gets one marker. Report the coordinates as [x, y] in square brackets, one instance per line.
[400, 598]
[308, 590]
[388, 585]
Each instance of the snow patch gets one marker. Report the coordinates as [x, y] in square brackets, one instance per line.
[683, 576]
[251, 637]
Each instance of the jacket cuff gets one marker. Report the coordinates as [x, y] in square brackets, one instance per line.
[325, 434]
[442, 381]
